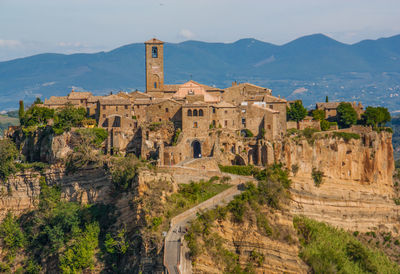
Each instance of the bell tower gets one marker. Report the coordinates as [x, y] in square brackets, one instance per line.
[154, 67]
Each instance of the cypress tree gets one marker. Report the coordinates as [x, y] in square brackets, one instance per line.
[21, 111]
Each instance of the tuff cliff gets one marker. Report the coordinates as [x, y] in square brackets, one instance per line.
[356, 194]
[357, 188]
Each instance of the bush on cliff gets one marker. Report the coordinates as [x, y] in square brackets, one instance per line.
[68, 117]
[330, 250]
[8, 155]
[272, 191]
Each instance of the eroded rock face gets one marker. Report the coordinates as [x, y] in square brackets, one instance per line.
[368, 160]
[357, 190]
[21, 192]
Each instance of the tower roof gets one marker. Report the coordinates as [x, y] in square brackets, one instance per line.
[154, 41]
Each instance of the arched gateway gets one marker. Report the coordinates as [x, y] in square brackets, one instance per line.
[196, 146]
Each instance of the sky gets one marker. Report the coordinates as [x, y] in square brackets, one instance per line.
[29, 27]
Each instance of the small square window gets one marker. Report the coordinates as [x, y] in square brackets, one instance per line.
[104, 116]
[126, 107]
[104, 107]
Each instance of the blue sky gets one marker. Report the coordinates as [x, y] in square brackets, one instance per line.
[66, 26]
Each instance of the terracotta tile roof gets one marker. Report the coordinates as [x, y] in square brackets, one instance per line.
[330, 105]
[114, 100]
[172, 88]
[154, 41]
[56, 100]
[94, 99]
[78, 95]
[224, 104]
[270, 98]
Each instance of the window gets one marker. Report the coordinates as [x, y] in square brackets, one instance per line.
[159, 107]
[189, 113]
[243, 121]
[126, 115]
[104, 107]
[213, 123]
[116, 108]
[271, 106]
[155, 84]
[213, 110]
[104, 116]
[269, 126]
[154, 52]
[190, 92]
[81, 101]
[195, 124]
[195, 112]
[126, 107]
[166, 110]
[226, 123]
[200, 112]
[226, 112]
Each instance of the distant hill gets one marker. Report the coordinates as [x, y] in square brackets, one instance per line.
[307, 68]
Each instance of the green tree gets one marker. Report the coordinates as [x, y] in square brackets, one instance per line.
[318, 114]
[326, 99]
[68, 117]
[21, 111]
[11, 234]
[37, 115]
[296, 112]
[325, 125]
[38, 101]
[8, 154]
[346, 115]
[376, 116]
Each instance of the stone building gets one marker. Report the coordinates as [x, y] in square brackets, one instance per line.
[330, 108]
[176, 123]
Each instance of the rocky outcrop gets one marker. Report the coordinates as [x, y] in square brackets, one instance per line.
[357, 190]
[368, 160]
[21, 192]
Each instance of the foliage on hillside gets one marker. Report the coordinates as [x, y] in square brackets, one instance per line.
[61, 235]
[272, 191]
[330, 250]
[8, 155]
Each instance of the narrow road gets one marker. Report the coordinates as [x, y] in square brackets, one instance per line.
[175, 260]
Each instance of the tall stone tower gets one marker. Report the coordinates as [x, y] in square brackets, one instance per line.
[154, 67]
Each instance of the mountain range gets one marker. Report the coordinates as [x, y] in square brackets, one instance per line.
[308, 68]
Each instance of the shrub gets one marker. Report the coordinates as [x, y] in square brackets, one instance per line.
[317, 176]
[247, 133]
[80, 255]
[176, 136]
[346, 136]
[155, 126]
[329, 250]
[318, 114]
[8, 154]
[123, 172]
[308, 132]
[68, 117]
[325, 125]
[239, 170]
[11, 234]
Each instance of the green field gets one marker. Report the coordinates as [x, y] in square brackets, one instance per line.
[6, 121]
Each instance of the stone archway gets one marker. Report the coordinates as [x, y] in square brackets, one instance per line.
[238, 161]
[196, 146]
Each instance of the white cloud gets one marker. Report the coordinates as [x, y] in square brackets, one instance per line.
[10, 43]
[187, 34]
[71, 44]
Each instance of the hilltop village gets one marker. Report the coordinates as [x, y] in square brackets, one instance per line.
[175, 123]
